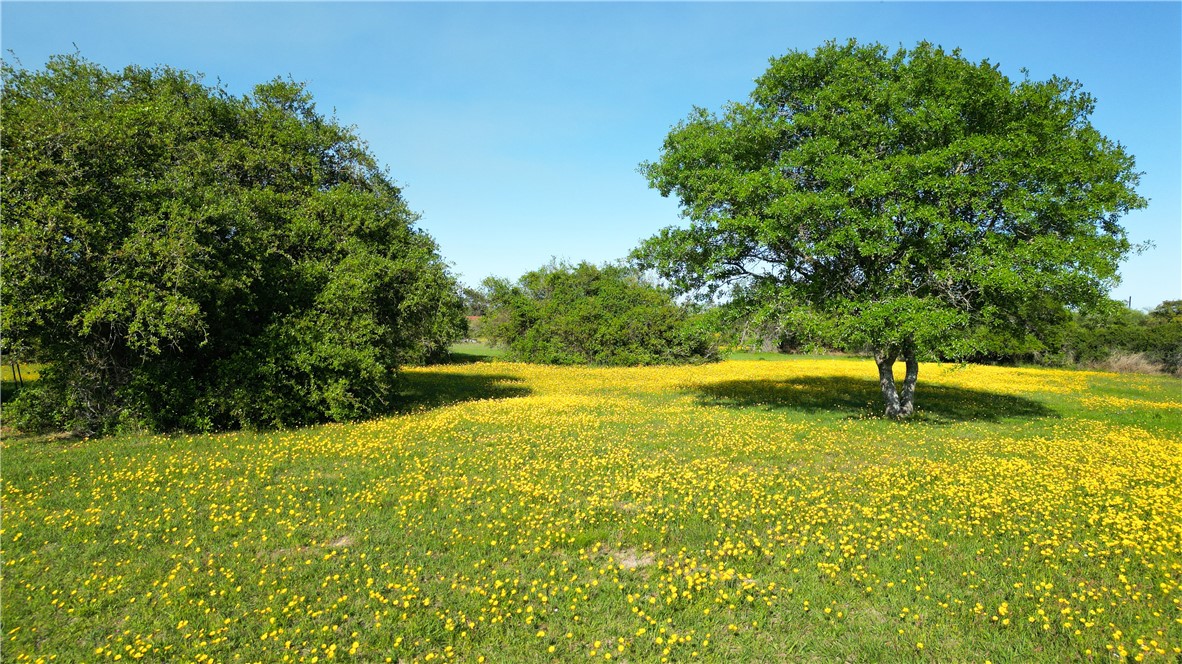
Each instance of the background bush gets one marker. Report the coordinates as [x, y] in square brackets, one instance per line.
[185, 259]
[1095, 338]
[1111, 337]
[585, 314]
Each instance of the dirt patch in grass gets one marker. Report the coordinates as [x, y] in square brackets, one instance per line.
[631, 558]
[310, 549]
[279, 554]
[627, 507]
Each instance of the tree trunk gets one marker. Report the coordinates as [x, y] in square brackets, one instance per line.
[899, 405]
[907, 397]
[885, 359]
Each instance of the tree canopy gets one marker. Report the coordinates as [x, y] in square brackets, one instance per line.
[583, 314]
[903, 202]
[184, 258]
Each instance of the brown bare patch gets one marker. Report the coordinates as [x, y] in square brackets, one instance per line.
[338, 543]
[631, 558]
[874, 615]
[292, 551]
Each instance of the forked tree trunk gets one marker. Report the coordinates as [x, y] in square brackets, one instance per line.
[899, 404]
[886, 379]
[907, 396]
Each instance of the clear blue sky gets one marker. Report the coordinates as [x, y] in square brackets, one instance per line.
[516, 128]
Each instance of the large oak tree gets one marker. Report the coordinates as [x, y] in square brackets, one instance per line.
[901, 202]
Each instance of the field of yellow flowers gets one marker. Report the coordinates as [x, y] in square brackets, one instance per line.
[742, 511]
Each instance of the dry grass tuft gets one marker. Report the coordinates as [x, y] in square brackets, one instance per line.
[1120, 362]
[632, 559]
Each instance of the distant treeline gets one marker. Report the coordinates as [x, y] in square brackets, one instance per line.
[1114, 338]
[1108, 339]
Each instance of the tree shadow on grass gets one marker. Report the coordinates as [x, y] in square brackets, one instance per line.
[8, 390]
[433, 389]
[459, 357]
[857, 398]
[469, 353]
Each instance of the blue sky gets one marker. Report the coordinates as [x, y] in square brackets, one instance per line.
[516, 128]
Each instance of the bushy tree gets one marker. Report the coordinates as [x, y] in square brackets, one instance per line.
[1100, 336]
[184, 258]
[1092, 337]
[585, 314]
[1163, 335]
[900, 202]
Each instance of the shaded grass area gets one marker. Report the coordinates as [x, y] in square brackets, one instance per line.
[940, 404]
[424, 389]
[14, 378]
[427, 387]
[8, 390]
[756, 356]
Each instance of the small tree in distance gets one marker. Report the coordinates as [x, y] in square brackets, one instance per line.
[583, 314]
[475, 301]
[899, 202]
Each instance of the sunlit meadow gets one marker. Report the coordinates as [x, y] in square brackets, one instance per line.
[743, 511]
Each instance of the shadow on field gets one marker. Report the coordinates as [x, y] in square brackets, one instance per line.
[460, 357]
[432, 389]
[938, 404]
[8, 390]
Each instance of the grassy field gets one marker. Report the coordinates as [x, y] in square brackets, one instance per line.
[743, 511]
[12, 379]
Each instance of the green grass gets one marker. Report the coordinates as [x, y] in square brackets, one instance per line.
[474, 352]
[739, 355]
[12, 380]
[709, 512]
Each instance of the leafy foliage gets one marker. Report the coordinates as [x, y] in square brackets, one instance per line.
[1093, 337]
[187, 259]
[475, 301]
[901, 202]
[592, 315]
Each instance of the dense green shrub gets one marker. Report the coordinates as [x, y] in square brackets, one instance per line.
[593, 315]
[186, 259]
[1163, 335]
[1090, 339]
[1059, 337]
